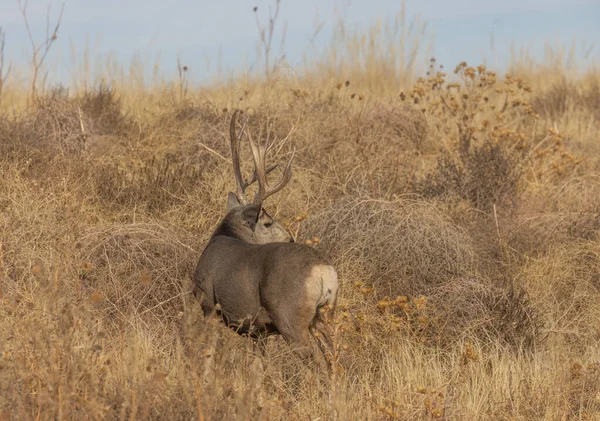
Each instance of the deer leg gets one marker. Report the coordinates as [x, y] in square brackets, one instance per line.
[322, 330]
[297, 337]
[207, 304]
[323, 334]
[299, 342]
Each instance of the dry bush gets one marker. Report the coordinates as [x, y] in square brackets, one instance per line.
[407, 246]
[485, 309]
[60, 126]
[489, 175]
[564, 287]
[103, 108]
[50, 129]
[153, 185]
[563, 215]
[483, 159]
[138, 270]
[555, 100]
[402, 250]
[568, 96]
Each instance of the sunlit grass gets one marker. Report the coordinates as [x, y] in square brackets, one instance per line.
[461, 210]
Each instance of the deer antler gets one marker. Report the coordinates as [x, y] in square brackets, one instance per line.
[259, 152]
[235, 140]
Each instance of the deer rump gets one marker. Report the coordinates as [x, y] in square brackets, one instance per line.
[264, 289]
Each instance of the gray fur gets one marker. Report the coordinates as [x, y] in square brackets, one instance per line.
[253, 274]
[262, 285]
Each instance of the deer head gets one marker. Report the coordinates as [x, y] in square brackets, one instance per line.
[249, 221]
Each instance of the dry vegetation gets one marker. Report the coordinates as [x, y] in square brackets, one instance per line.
[462, 214]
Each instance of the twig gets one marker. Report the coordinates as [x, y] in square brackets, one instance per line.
[39, 52]
[183, 81]
[496, 220]
[213, 151]
[3, 75]
[266, 35]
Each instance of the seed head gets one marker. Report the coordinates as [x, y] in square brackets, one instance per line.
[96, 297]
[145, 278]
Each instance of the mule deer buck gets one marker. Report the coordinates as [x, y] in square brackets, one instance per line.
[252, 273]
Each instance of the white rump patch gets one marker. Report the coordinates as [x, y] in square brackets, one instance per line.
[322, 285]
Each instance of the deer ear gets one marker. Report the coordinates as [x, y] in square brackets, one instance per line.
[250, 215]
[232, 201]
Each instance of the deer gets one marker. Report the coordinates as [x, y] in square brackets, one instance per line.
[254, 275]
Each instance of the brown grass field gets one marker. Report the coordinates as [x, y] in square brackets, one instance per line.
[461, 210]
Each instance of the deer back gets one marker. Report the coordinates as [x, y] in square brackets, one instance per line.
[263, 282]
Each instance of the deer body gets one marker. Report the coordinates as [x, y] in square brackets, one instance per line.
[254, 275]
[264, 289]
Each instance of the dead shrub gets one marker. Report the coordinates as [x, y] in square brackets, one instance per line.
[155, 185]
[554, 101]
[583, 388]
[565, 214]
[63, 126]
[407, 249]
[482, 158]
[590, 97]
[138, 270]
[103, 111]
[55, 126]
[492, 311]
[568, 96]
[405, 246]
[564, 287]
[488, 175]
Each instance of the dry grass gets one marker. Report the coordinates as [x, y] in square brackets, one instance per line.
[463, 219]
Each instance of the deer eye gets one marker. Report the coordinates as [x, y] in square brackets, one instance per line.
[268, 224]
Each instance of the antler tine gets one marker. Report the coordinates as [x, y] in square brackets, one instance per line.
[287, 176]
[258, 155]
[235, 139]
[235, 157]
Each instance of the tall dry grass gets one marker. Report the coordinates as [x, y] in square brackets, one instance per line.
[463, 218]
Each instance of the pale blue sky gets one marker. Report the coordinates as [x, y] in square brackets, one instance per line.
[202, 29]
